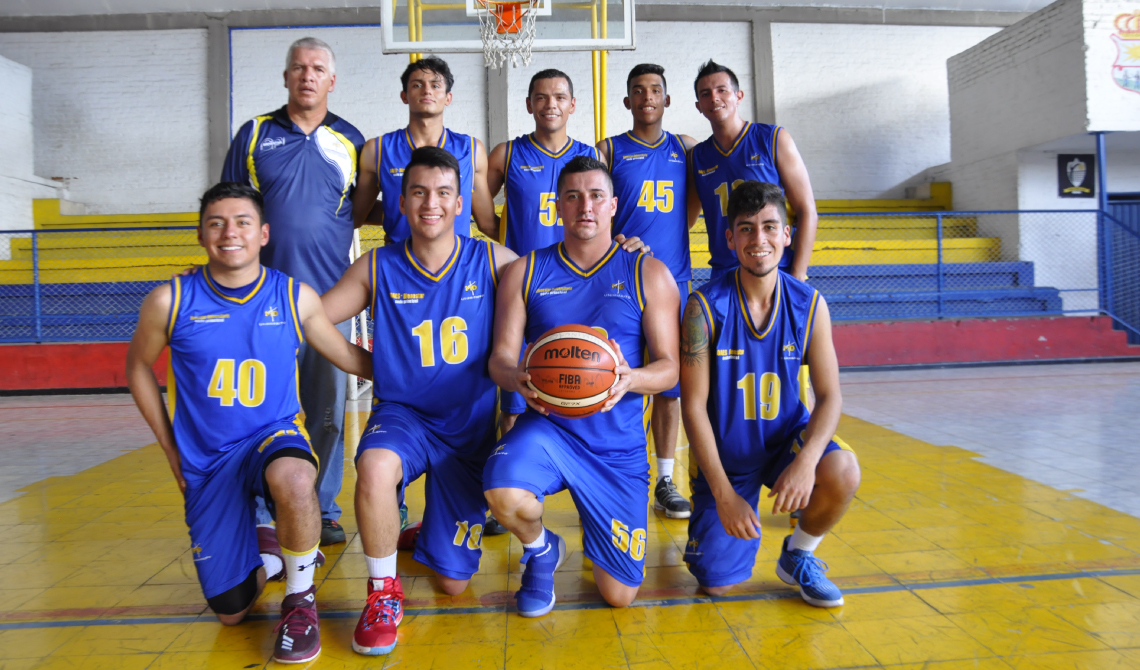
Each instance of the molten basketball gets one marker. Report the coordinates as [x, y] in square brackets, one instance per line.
[572, 369]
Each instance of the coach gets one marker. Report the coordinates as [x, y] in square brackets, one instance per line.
[303, 160]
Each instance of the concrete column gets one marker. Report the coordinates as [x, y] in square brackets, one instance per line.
[498, 94]
[218, 91]
[763, 84]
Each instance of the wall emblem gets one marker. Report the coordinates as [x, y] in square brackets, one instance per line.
[1126, 69]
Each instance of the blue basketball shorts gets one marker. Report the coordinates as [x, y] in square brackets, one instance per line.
[220, 507]
[684, 288]
[612, 499]
[450, 540]
[716, 558]
[509, 401]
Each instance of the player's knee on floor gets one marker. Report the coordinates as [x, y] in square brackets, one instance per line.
[452, 587]
[232, 606]
[615, 593]
[717, 590]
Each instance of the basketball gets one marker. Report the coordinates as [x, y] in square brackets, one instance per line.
[572, 369]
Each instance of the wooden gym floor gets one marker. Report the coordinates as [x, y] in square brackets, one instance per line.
[947, 560]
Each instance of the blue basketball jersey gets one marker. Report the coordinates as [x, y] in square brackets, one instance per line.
[650, 182]
[717, 171]
[754, 394]
[530, 217]
[233, 364]
[610, 298]
[433, 338]
[395, 151]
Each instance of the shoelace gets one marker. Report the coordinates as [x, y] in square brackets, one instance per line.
[297, 616]
[380, 604]
[671, 490]
[809, 570]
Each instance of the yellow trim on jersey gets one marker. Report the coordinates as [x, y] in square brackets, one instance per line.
[474, 156]
[293, 307]
[351, 148]
[249, 166]
[439, 145]
[597, 266]
[240, 301]
[443, 270]
[775, 159]
[529, 277]
[171, 385]
[708, 313]
[491, 258]
[664, 136]
[735, 143]
[297, 417]
[610, 153]
[375, 299]
[841, 444]
[637, 281]
[506, 194]
[748, 317]
[811, 321]
[176, 291]
[563, 150]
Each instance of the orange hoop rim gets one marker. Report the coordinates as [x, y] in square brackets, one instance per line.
[508, 14]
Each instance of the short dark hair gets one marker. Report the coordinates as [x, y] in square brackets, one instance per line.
[231, 189]
[550, 73]
[646, 68]
[430, 157]
[712, 67]
[584, 164]
[752, 196]
[429, 64]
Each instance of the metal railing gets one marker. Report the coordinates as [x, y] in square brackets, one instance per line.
[88, 284]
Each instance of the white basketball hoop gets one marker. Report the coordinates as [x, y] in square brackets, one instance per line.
[507, 30]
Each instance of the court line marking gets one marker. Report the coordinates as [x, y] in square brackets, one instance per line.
[666, 602]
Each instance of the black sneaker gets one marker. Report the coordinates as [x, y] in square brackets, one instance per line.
[665, 497]
[493, 527]
[331, 532]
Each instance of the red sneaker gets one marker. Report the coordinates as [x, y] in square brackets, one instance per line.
[376, 631]
[299, 631]
[407, 539]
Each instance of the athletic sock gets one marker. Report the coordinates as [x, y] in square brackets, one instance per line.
[664, 468]
[538, 543]
[801, 540]
[273, 565]
[379, 568]
[299, 569]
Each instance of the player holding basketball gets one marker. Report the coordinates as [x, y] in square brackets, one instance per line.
[744, 337]
[234, 429]
[649, 171]
[739, 151]
[527, 167]
[632, 299]
[433, 409]
[427, 93]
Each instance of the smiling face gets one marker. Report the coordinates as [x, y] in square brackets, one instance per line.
[586, 204]
[309, 78]
[717, 100]
[426, 94]
[431, 201]
[759, 240]
[647, 99]
[232, 233]
[551, 104]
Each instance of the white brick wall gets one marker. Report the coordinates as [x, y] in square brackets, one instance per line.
[1021, 87]
[18, 185]
[867, 105]
[120, 116]
[367, 91]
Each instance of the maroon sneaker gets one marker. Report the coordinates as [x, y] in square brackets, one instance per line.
[407, 539]
[267, 544]
[299, 631]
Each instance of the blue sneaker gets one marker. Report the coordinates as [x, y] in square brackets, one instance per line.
[800, 568]
[536, 597]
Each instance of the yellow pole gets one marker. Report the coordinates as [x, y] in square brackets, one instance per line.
[603, 66]
[419, 25]
[596, 71]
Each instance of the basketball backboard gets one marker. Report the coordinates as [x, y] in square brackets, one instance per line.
[443, 26]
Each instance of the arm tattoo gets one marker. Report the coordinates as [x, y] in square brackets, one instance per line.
[694, 336]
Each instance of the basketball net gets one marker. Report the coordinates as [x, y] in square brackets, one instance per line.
[507, 30]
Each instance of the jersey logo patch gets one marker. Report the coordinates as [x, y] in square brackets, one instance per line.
[471, 287]
[705, 173]
[272, 317]
[617, 288]
[406, 298]
[674, 157]
[636, 157]
[196, 549]
[730, 354]
[531, 168]
[209, 318]
[560, 290]
[499, 451]
[789, 350]
[755, 160]
[271, 143]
